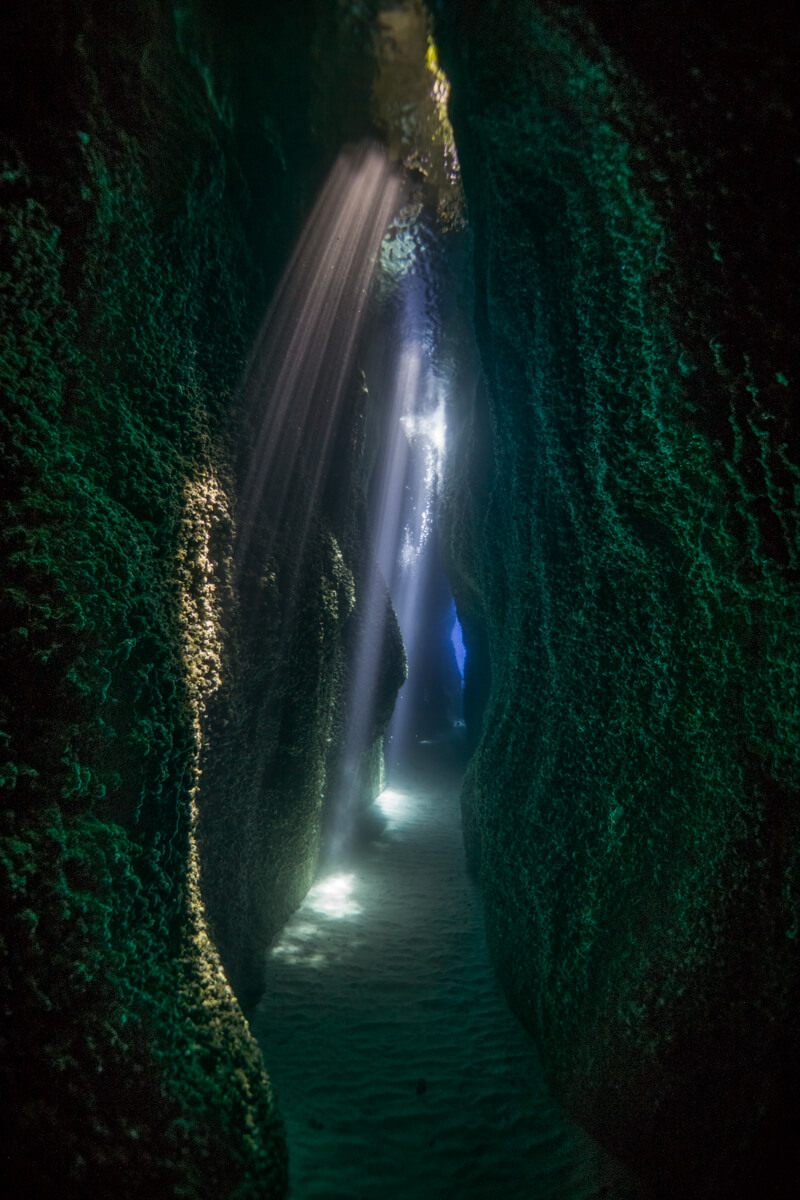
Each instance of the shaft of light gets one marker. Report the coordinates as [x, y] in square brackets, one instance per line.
[405, 488]
[386, 536]
[302, 362]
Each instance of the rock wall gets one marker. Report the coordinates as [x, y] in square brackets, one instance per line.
[167, 736]
[633, 560]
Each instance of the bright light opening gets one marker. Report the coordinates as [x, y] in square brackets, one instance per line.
[457, 642]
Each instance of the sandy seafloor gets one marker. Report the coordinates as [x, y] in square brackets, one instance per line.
[399, 1070]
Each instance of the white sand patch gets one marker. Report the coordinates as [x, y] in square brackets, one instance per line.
[398, 1067]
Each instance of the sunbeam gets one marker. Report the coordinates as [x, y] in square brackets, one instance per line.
[303, 358]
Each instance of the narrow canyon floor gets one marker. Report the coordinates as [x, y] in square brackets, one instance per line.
[398, 1067]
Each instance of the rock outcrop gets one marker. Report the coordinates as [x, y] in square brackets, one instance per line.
[169, 730]
[632, 807]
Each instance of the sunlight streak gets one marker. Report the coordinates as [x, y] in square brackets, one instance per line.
[296, 381]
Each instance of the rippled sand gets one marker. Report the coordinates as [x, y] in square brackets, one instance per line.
[399, 1069]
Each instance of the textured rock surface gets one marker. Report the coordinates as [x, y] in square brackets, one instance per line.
[632, 809]
[164, 752]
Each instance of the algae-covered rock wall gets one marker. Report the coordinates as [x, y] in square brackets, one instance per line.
[632, 808]
[164, 752]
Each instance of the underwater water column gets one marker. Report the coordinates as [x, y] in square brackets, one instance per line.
[402, 513]
[411, 574]
[386, 536]
[302, 362]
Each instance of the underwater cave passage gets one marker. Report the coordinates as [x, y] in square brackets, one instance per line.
[399, 605]
[381, 1010]
[397, 1065]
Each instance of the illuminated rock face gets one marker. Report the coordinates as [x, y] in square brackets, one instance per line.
[632, 808]
[168, 728]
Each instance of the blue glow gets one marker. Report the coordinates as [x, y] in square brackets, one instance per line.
[457, 639]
